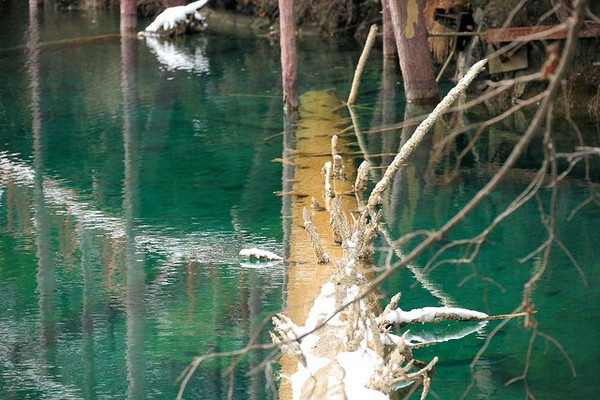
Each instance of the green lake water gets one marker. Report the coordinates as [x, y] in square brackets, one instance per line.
[134, 172]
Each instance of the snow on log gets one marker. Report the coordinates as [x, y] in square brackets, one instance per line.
[177, 20]
[399, 317]
[260, 254]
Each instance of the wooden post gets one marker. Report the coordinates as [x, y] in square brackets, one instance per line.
[128, 16]
[389, 42]
[288, 54]
[413, 51]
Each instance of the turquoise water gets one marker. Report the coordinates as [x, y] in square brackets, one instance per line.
[130, 183]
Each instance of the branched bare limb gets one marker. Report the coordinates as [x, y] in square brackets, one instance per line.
[474, 244]
[562, 351]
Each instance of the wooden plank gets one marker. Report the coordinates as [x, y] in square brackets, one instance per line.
[530, 33]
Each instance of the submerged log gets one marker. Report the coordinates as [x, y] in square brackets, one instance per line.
[318, 123]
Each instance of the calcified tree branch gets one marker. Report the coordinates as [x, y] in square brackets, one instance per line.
[421, 131]
[361, 64]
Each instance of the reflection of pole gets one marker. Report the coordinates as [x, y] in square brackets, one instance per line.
[35, 5]
[410, 177]
[258, 287]
[215, 378]
[388, 110]
[405, 195]
[135, 309]
[288, 176]
[45, 272]
[87, 322]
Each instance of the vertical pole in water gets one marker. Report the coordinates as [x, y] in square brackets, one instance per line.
[389, 42]
[41, 216]
[416, 62]
[287, 42]
[128, 16]
[35, 4]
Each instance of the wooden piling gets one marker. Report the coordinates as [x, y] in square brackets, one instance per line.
[287, 29]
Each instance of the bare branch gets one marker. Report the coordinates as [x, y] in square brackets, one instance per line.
[361, 64]
[422, 130]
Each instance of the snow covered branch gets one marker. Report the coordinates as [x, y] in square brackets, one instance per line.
[259, 254]
[399, 317]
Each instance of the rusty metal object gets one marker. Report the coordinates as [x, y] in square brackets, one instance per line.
[457, 20]
[516, 61]
[530, 33]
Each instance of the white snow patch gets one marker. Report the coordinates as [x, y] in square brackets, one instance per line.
[359, 366]
[352, 293]
[323, 307]
[169, 18]
[260, 254]
[429, 314]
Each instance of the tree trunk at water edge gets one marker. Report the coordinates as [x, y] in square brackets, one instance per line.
[413, 51]
[287, 41]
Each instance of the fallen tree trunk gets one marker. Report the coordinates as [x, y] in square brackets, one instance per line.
[318, 123]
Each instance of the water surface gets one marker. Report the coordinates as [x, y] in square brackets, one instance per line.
[133, 173]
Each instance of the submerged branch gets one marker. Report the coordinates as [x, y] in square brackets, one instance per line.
[315, 241]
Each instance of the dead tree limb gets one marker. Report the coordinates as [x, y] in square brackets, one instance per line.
[421, 131]
[361, 64]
